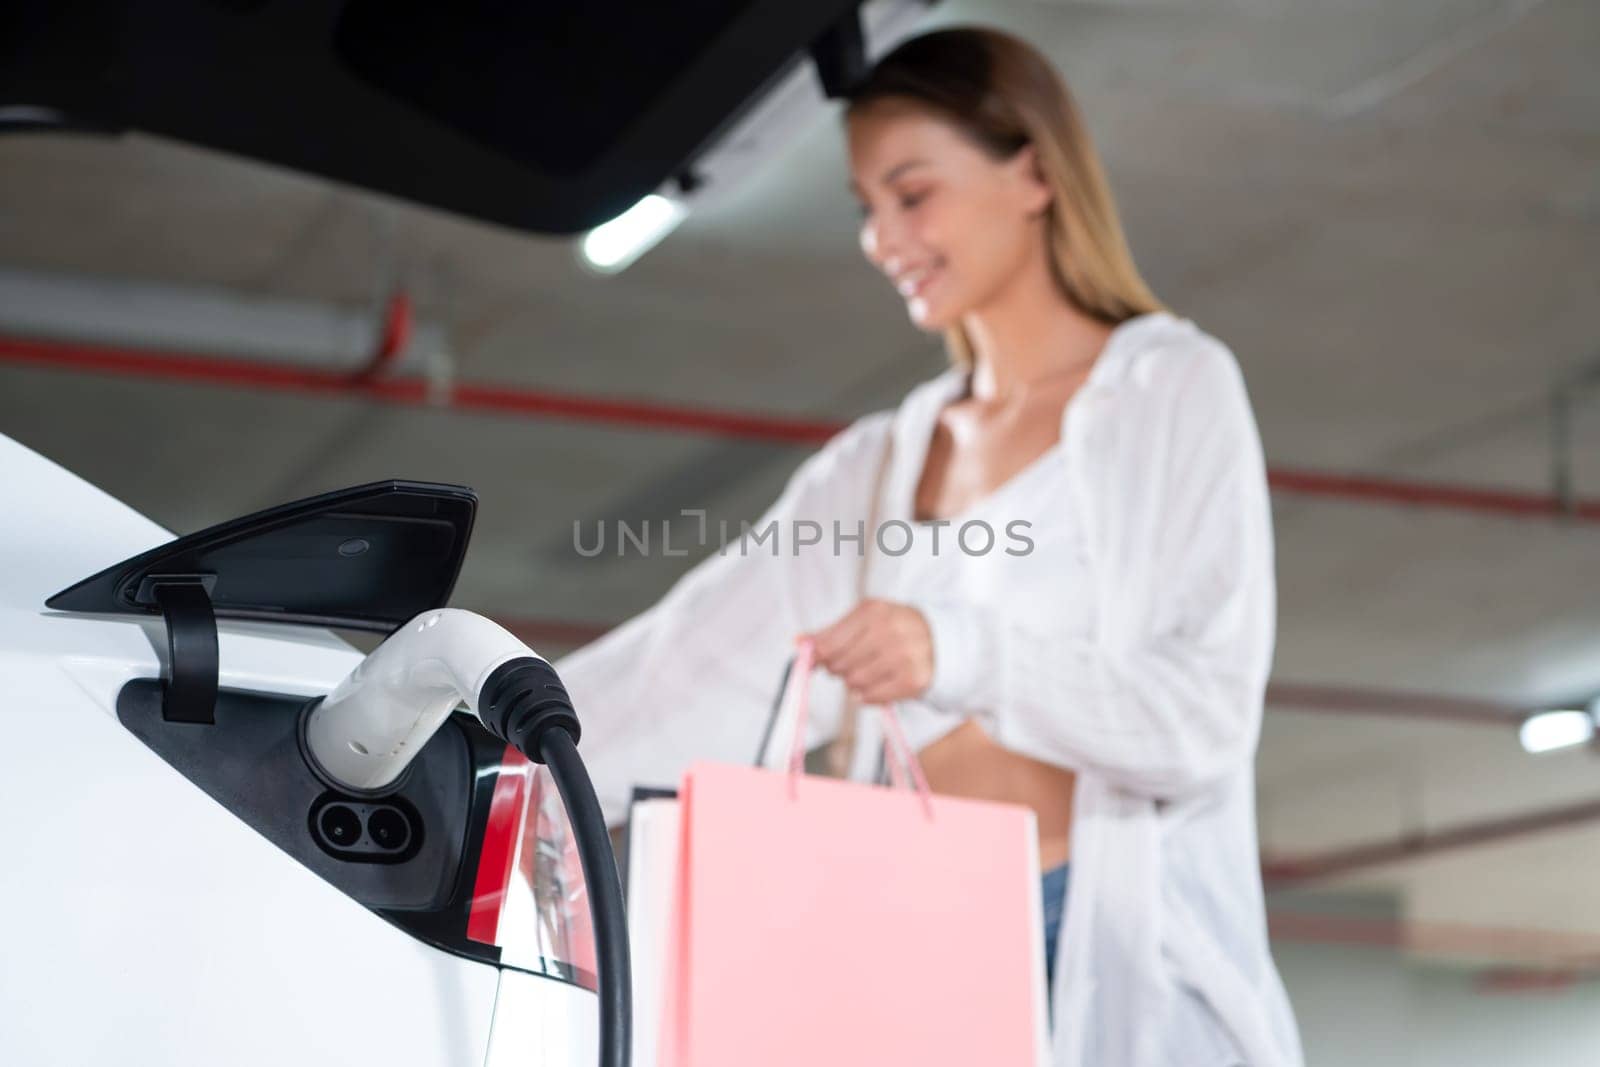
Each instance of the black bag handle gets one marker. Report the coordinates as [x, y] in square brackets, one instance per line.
[772, 716]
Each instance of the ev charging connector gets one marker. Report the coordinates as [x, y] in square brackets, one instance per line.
[363, 735]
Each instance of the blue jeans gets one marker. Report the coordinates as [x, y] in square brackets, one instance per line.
[1053, 888]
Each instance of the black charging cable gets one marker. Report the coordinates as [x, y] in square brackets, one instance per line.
[524, 704]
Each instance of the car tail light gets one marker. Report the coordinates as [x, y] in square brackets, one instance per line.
[528, 894]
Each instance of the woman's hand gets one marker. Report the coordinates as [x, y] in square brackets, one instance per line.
[883, 651]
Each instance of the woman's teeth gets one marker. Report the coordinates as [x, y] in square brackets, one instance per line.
[912, 284]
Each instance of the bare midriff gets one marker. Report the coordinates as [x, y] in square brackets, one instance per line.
[967, 762]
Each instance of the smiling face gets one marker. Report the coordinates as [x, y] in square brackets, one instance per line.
[948, 223]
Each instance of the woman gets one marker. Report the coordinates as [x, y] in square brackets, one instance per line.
[1101, 654]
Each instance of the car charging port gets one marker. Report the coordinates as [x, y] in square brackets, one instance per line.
[365, 830]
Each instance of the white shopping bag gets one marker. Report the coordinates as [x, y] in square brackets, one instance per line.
[652, 867]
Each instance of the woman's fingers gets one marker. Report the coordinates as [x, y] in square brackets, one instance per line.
[833, 640]
[880, 682]
[866, 666]
[886, 673]
[879, 649]
[869, 647]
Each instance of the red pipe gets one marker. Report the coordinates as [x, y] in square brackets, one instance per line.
[399, 321]
[489, 399]
[502, 399]
[1289, 871]
[1344, 700]
[538, 632]
[1503, 980]
[1430, 495]
[1565, 953]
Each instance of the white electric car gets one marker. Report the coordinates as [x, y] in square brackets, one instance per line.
[183, 882]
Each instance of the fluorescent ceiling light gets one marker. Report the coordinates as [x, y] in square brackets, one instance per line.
[1550, 730]
[613, 246]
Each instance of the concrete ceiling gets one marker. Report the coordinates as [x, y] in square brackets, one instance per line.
[1390, 211]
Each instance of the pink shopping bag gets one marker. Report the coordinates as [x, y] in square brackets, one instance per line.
[824, 922]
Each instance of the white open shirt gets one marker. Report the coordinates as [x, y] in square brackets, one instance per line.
[1155, 703]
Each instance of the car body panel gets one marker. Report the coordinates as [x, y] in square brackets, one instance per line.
[144, 922]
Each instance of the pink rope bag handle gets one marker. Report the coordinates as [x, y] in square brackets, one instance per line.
[902, 761]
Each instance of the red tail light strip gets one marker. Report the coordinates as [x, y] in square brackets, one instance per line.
[499, 847]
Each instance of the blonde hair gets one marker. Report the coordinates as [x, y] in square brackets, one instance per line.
[1004, 95]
